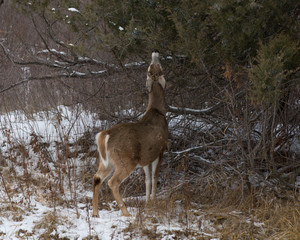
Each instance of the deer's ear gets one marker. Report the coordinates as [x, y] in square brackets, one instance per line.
[149, 84]
[162, 81]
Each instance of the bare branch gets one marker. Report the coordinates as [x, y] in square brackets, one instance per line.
[14, 85]
[53, 77]
[201, 112]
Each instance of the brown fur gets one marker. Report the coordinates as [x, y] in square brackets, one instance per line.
[155, 71]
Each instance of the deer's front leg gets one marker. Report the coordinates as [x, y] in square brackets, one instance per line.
[155, 169]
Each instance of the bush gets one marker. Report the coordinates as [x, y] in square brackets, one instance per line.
[275, 65]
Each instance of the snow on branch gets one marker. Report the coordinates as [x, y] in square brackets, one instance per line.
[74, 74]
[211, 144]
[52, 50]
[200, 112]
[205, 111]
[73, 10]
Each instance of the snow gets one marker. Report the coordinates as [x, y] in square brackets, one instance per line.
[73, 10]
[30, 213]
[49, 125]
[79, 224]
[190, 110]
[76, 73]
[132, 64]
[76, 226]
[98, 72]
[53, 50]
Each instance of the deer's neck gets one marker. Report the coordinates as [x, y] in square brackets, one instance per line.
[156, 99]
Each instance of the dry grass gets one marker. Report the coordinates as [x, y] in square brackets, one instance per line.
[47, 226]
[281, 218]
[236, 215]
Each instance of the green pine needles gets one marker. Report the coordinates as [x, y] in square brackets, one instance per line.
[273, 68]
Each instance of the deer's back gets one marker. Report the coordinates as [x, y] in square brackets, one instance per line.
[142, 141]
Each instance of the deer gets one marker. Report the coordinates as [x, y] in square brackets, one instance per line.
[126, 146]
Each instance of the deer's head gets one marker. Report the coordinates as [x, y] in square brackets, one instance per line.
[155, 73]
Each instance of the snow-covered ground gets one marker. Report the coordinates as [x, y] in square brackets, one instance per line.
[70, 223]
[67, 222]
[32, 207]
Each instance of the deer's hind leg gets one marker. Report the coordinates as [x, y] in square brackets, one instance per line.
[118, 177]
[100, 176]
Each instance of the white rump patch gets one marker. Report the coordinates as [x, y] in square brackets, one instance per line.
[105, 160]
[97, 136]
